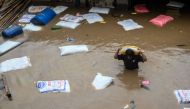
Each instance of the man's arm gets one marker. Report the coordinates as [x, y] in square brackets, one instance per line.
[116, 54]
[143, 57]
[119, 57]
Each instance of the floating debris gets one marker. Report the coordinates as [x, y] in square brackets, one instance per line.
[70, 39]
[133, 13]
[55, 27]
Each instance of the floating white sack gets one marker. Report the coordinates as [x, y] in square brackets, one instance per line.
[36, 9]
[71, 49]
[183, 96]
[71, 25]
[15, 64]
[53, 86]
[101, 82]
[59, 9]
[129, 25]
[71, 18]
[177, 96]
[175, 4]
[99, 10]
[8, 45]
[31, 27]
[26, 18]
[93, 17]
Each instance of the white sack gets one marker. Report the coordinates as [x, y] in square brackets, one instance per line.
[31, 27]
[15, 64]
[6, 46]
[26, 18]
[175, 4]
[99, 10]
[93, 17]
[129, 25]
[59, 9]
[71, 49]
[183, 96]
[36, 9]
[71, 25]
[101, 82]
[71, 18]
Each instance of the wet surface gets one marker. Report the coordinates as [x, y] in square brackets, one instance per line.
[167, 67]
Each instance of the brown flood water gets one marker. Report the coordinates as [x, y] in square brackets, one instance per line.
[167, 67]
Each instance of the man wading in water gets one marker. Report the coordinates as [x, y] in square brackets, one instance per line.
[131, 56]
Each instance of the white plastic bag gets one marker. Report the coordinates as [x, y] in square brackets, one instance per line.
[175, 4]
[101, 82]
[99, 10]
[15, 64]
[177, 96]
[93, 17]
[36, 9]
[8, 45]
[71, 25]
[183, 96]
[31, 27]
[71, 18]
[71, 49]
[129, 25]
[53, 86]
[26, 18]
[59, 9]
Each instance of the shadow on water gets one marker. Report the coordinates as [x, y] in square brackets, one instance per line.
[130, 79]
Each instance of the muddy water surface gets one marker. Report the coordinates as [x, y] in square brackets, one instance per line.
[167, 67]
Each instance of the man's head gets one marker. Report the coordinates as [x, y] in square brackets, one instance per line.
[130, 52]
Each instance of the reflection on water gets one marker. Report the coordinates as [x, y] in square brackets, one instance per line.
[130, 79]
